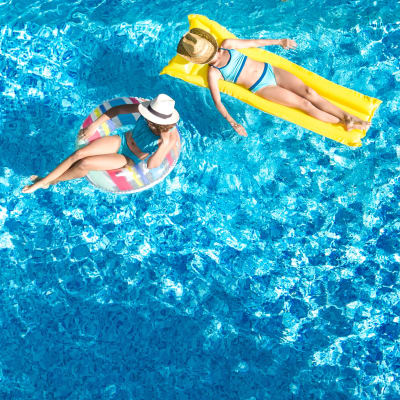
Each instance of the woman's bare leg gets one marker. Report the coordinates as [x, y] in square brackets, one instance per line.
[291, 82]
[82, 167]
[102, 146]
[93, 163]
[288, 98]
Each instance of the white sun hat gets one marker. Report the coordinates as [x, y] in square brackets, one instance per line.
[160, 110]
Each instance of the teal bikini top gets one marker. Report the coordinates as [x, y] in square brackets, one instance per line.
[234, 66]
[145, 139]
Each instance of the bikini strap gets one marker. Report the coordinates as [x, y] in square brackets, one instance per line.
[222, 48]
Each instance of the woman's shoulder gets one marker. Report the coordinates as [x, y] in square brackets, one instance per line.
[214, 73]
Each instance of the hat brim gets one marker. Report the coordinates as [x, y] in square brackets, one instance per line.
[145, 113]
[205, 35]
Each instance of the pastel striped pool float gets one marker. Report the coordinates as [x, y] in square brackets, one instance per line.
[130, 179]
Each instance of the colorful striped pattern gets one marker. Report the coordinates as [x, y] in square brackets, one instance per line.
[128, 179]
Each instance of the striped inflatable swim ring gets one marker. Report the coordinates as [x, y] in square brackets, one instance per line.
[128, 179]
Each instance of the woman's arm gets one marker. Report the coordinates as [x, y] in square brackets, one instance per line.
[85, 133]
[245, 43]
[168, 141]
[213, 78]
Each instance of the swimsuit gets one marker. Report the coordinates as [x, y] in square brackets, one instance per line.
[267, 78]
[144, 138]
[231, 71]
[234, 66]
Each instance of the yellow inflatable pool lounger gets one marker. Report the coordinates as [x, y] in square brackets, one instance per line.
[349, 100]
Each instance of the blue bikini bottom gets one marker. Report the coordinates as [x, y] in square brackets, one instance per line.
[267, 78]
[126, 151]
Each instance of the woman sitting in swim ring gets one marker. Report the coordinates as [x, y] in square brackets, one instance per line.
[152, 138]
[272, 83]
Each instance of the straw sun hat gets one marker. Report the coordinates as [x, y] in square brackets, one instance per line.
[160, 110]
[197, 46]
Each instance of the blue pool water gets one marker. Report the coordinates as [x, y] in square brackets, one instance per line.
[262, 268]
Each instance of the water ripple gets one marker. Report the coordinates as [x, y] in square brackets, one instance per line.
[264, 267]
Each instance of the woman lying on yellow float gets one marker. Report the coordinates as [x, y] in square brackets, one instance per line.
[272, 83]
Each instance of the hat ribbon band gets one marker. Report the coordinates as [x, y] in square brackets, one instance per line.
[158, 114]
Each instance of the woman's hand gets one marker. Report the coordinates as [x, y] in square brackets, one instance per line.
[288, 44]
[84, 134]
[239, 129]
[129, 162]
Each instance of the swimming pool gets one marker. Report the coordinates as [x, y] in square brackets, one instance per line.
[262, 268]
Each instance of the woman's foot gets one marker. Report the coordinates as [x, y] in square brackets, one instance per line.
[351, 122]
[35, 186]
